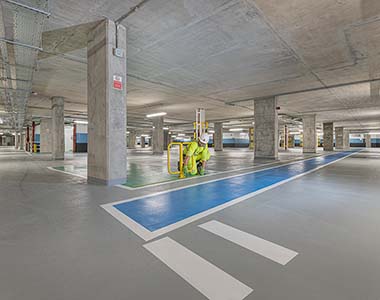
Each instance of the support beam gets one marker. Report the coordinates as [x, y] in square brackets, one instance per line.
[45, 135]
[22, 141]
[286, 137]
[158, 135]
[142, 141]
[309, 134]
[167, 139]
[251, 138]
[266, 128]
[131, 139]
[346, 140]
[58, 128]
[16, 140]
[218, 136]
[339, 138]
[328, 136]
[368, 141]
[107, 115]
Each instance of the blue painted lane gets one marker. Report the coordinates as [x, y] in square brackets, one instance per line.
[155, 212]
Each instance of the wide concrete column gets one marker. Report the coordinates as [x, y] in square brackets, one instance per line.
[339, 138]
[22, 141]
[142, 141]
[309, 134]
[16, 140]
[266, 128]
[58, 128]
[45, 135]
[107, 107]
[368, 141]
[158, 135]
[218, 136]
[346, 140]
[131, 139]
[167, 139]
[328, 136]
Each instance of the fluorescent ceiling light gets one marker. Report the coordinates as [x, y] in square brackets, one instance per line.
[181, 134]
[81, 122]
[375, 133]
[166, 128]
[211, 131]
[156, 115]
[236, 129]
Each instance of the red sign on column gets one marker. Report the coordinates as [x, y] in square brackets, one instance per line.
[117, 82]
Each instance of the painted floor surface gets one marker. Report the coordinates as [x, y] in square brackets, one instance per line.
[144, 169]
[158, 211]
[57, 243]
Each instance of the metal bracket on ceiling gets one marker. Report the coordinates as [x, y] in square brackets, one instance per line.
[20, 44]
[37, 10]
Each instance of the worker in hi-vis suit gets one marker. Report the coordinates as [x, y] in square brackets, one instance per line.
[196, 156]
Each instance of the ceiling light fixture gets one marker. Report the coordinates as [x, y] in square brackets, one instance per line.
[236, 129]
[156, 115]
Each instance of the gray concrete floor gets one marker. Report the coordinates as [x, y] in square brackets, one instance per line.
[57, 243]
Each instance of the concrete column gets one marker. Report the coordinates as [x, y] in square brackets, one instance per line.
[142, 141]
[158, 135]
[368, 141]
[339, 138]
[58, 128]
[22, 141]
[16, 140]
[346, 139]
[309, 134]
[167, 139]
[218, 136]
[286, 137]
[291, 141]
[45, 136]
[107, 107]
[132, 139]
[251, 138]
[266, 128]
[328, 136]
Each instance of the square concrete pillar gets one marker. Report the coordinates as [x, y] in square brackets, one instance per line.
[328, 136]
[346, 140]
[45, 135]
[167, 139]
[309, 134]
[22, 141]
[218, 136]
[142, 141]
[58, 128]
[266, 128]
[107, 116]
[339, 138]
[131, 139]
[286, 137]
[158, 135]
[368, 141]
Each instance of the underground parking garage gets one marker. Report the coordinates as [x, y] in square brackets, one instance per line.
[188, 149]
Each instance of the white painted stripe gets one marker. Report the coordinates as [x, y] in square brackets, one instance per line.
[272, 251]
[208, 279]
[147, 235]
[68, 173]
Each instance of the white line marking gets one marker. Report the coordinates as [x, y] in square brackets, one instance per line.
[147, 235]
[68, 173]
[208, 279]
[272, 251]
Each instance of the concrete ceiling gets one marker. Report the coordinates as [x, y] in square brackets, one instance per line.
[221, 54]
